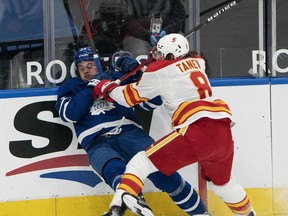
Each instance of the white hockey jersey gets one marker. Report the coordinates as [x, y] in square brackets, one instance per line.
[183, 86]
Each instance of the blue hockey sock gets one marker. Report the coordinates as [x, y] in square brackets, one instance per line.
[180, 191]
[113, 171]
[188, 199]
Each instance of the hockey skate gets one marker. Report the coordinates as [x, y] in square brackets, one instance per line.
[252, 213]
[116, 211]
[136, 205]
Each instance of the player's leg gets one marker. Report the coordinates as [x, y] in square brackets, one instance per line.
[109, 164]
[234, 196]
[217, 170]
[136, 172]
[180, 191]
[162, 156]
[113, 171]
[140, 166]
[224, 186]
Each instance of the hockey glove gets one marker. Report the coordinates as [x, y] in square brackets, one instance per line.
[103, 88]
[154, 38]
[126, 64]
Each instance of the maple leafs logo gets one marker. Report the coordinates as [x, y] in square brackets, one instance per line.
[100, 106]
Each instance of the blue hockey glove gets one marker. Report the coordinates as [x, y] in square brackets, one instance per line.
[115, 74]
[126, 64]
[154, 38]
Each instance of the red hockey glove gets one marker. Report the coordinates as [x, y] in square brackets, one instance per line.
[103, 88]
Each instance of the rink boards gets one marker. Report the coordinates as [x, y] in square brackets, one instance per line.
[45, 172]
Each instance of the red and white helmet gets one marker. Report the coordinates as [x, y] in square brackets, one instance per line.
[175, 44]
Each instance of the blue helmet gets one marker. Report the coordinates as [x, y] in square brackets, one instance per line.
[84, 54]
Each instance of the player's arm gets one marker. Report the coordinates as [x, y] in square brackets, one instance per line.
[147, 88]
[73, 102]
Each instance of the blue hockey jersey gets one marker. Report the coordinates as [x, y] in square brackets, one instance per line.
[92, 118]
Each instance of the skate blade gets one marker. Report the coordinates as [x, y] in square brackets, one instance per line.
[133, 205]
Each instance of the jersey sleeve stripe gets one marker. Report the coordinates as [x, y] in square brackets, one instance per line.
[131, 96]
[63, 109]
[190, 108]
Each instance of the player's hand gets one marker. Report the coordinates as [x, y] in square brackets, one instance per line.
[103, 88]
[92, 83]
[154, 38]
[126, 64]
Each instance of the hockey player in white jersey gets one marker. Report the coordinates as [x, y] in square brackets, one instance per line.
[201, 126]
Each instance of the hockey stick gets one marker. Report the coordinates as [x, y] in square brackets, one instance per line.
[87, 26]
[213, 17]
[227, 3]
[70, 19]
[202, 186]
[214, 7]
[90, 36]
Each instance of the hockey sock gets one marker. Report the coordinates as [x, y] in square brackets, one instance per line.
[113, 171]
[234, 196]
[188, 199]
[181, 192]
[137, 170]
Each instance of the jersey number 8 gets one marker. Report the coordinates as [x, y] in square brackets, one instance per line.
[201, 83]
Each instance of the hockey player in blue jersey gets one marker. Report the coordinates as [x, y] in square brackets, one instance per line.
[111, 134]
